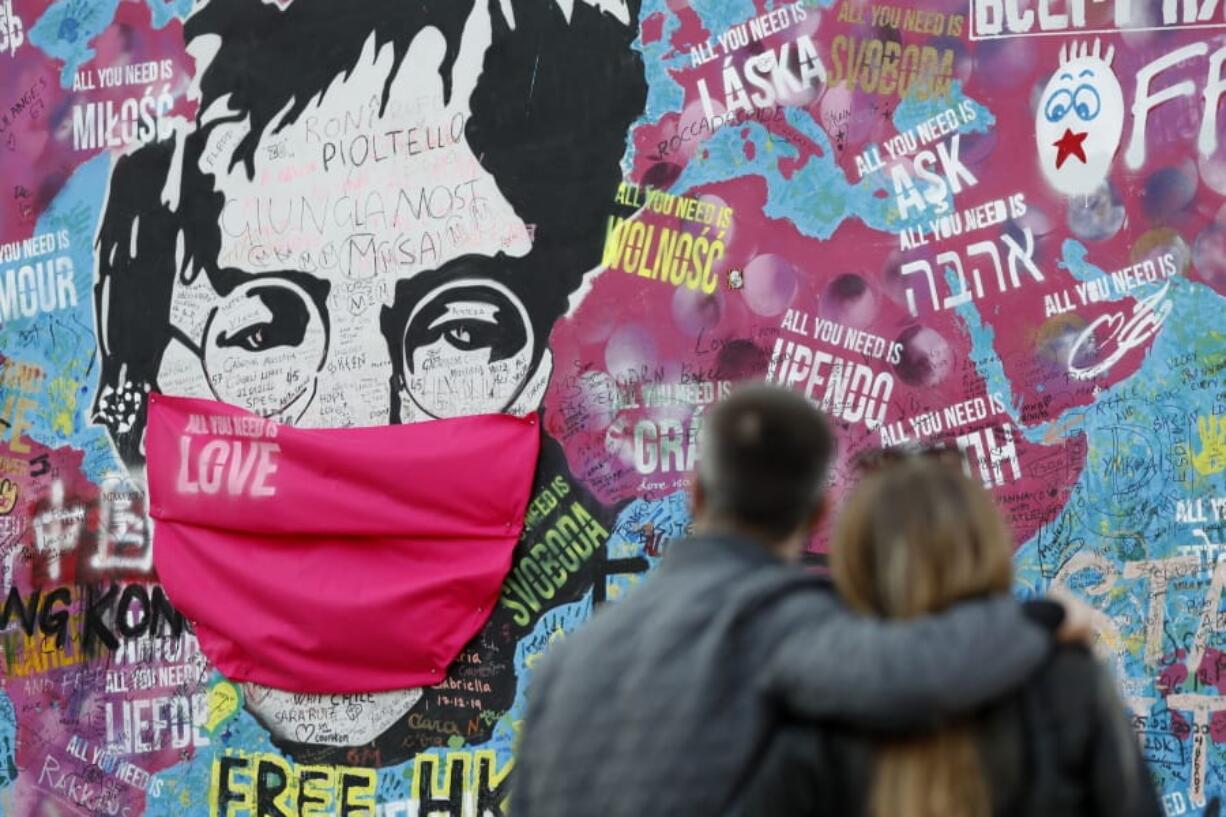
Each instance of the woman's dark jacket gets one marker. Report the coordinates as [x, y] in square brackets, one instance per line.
[1061, 746]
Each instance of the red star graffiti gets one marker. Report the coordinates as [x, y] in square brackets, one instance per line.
[1070, 144]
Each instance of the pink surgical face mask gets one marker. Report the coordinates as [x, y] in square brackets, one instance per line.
[334, 560]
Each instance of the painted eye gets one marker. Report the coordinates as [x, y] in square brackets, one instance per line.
[263, 345]
[467, 348]
[467, 335]
[283, 321]
[1087, 102]
[1058, 106]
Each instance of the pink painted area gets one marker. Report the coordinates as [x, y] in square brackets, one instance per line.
[36, 116]
[652, 28]
[1180, 726]
[1212, 670]
[1217, 727]
[1171, 678]
[658, 340]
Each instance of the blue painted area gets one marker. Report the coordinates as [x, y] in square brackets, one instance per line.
[65, 31]
[551, 628]
[912, 110]
[818, 197]
[8, 741]
[163, 11]
[719, 17]
[983, 350]
[1141, 434]
[62, 342]
[663, 520]
[669, 515]
[664, 94]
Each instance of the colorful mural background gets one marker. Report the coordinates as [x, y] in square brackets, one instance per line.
[995, 225]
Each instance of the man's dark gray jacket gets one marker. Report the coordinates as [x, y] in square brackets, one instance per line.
[662, 704]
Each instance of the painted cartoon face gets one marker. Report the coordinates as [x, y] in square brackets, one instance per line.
[1080, 121]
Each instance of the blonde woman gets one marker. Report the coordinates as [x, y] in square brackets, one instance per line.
[917, 537]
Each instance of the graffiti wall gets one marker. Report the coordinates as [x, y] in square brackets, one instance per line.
[994, 225]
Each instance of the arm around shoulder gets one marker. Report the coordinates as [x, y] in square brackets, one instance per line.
[831, 663]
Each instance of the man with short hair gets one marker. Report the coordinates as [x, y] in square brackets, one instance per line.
[663, 703]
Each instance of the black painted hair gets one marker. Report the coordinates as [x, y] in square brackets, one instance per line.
[549, 118]
[765, 455]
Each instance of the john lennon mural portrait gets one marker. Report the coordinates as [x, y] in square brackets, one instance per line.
[376, 217]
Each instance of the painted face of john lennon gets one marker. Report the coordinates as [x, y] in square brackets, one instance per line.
[352, 200]
[376, 218]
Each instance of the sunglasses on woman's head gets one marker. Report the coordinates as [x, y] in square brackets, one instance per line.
[875, 459]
